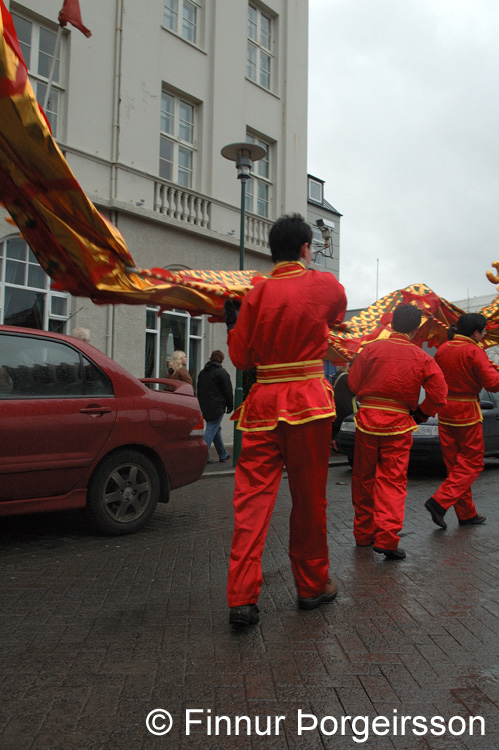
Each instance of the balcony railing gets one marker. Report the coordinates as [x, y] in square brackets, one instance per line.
[257, 230]
[182, 204]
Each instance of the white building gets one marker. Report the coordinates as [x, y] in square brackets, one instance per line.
[141, 111]
[475, 304]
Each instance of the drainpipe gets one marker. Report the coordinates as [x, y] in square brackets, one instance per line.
[115, 137]
[115, 150]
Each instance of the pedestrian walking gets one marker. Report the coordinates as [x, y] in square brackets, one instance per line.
[467, 370]
[216, 398]
[177, 367]
[387, 376]
[286, 418]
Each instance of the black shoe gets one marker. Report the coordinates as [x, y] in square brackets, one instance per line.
[437, 512]
[365, 544]
[210, 461]
[391, 554]
[224, 459]
[246, 614]
[473, 521]
[311, 602]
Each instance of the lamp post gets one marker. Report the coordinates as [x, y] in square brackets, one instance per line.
[243, 154]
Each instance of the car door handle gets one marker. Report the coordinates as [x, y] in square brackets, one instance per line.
[94, 411]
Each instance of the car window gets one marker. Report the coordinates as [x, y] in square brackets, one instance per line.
[97, 382]
[39, 367]
[35, 367]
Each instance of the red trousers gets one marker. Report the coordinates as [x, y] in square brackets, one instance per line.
[379, 482]
[462, 449]
[304, 450]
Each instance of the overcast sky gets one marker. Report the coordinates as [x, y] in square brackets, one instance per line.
[404, 129]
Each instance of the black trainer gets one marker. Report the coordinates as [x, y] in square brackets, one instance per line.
[473, 521]
[391, 554]
[245, 614]
[437, 512]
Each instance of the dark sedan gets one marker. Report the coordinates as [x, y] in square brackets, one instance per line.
[426, 444]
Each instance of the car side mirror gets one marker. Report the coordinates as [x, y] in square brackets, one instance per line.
[486, 405]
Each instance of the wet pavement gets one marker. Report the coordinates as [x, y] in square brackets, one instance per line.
[96, 632]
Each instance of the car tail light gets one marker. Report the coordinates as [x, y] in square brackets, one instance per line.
[198, 427]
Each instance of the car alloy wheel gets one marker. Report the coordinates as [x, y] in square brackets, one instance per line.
[123, 492]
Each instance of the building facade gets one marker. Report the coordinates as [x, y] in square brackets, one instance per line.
[141, 111]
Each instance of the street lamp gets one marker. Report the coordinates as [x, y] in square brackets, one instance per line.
[243, 154]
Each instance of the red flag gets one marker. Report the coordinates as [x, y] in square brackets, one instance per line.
[71, 13]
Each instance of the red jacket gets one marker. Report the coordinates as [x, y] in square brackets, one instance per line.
[467, 370]
[386, 377]
[282, 329]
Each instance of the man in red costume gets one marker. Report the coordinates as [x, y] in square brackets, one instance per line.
[467, 370]
[282, 330]
[387, 376]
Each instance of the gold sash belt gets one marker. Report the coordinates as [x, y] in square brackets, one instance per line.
[286, 372]
[385, 404]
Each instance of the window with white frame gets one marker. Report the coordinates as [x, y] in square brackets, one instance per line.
[25, 296]
[182, 17]
[172, 331]
[315, 190]
[259, 188]
[38, 47]
[259, 56]
[177, 139]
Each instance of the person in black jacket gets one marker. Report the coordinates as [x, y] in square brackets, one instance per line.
[215, 398]
[344, 401]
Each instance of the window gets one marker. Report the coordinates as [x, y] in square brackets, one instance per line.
[172, 331]
[41, 368]
[259, 47]
[317, 247]
[25, 295]
[177, 144]
[182, 17]
[315, 190]
[258, 189]
[38, 48]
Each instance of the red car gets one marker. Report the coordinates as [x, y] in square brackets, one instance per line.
[77, 430]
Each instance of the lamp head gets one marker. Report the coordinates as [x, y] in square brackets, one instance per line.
[243, 154]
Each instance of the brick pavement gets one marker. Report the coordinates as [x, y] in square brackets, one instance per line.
[96, 632]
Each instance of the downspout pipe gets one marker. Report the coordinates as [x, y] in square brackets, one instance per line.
[115, 149]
